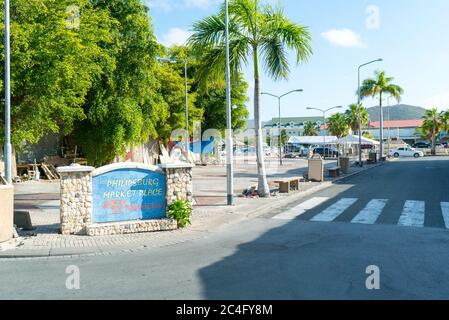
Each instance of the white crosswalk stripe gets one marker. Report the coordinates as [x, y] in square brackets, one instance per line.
[445, 211]
[334, 211]
[371, 212]
[301, 209]
[413, 214]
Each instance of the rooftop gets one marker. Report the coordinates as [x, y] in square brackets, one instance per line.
[295, 120]
[398, 124]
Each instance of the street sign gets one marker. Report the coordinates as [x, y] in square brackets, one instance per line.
[128, 194]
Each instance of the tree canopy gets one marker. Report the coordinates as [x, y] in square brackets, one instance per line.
[262, 33]
[54, 64]
[89, 69]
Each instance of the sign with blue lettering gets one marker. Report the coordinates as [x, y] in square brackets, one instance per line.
[128, 194]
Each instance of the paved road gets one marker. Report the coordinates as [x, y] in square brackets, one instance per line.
[391, 217]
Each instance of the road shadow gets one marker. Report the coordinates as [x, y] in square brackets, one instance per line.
[299, 259]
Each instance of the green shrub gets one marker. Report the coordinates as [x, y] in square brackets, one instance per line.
[181, 212]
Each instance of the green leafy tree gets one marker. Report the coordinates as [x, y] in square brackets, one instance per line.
[352, 117]
[379, 86]
[262, 33]
[213, 102]
[56, 58]
[172, 79]
[310, 129]
[123, 106]
[433, 124]
[337, 125]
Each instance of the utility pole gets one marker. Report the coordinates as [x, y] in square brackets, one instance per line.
[8, 147]
[324, 119]
[229, 140]
[280, 125]
[359, 105]
[186, 89]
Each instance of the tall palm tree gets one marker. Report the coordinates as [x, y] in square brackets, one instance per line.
[433, 124]
[352, 117]
[262, 33]
[310, 129]
[337, 125]
[379, 86]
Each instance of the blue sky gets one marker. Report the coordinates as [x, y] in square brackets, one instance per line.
[410, 35]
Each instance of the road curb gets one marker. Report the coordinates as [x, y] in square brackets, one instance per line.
[279, 203]
[298, 196]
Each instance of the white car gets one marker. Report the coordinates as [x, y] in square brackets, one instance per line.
[406, 152]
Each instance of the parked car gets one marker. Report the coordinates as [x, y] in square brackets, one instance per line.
[406, 152]
[422, 145]
[326, 152]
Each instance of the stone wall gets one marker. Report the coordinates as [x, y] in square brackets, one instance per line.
[131, 227]
[76, 199]
[179, 183]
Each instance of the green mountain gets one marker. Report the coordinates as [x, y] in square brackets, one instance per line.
[398, 112]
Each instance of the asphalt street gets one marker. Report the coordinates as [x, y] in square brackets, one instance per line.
[391, 217]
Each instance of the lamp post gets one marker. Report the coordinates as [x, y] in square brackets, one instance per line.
[324, 120]
[184, 61]
[8, 147]
[359, 107]
[389, 136]
[229, 142]
[279, 108]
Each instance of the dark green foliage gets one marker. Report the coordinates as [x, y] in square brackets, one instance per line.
[181, 212]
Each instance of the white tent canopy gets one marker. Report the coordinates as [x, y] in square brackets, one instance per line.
[355, 140]
[319, 140]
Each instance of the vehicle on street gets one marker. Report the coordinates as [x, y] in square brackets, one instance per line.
[295, 151]
[422, 145]
[406, 152]
[326, 152]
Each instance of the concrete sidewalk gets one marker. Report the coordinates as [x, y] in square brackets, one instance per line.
[210, 214]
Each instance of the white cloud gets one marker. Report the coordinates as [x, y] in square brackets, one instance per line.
[163, 5]
[440, 101]
[343, 38]
[175, 36]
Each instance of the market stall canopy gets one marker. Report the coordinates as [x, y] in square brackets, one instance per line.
[355, 140]
[306, 140]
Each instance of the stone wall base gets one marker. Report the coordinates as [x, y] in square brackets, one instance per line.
[126, 227]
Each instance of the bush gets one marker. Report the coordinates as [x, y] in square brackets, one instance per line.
[181, 212]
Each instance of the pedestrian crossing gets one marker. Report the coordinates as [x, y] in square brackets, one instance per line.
[322, 209]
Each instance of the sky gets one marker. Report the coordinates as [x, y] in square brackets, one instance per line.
[409, 35]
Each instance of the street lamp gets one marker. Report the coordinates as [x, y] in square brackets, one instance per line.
[389, 127]
[279, 125]
[229, 142]
[185, 61]
[8, 147]
[324, 119]
[359, 107]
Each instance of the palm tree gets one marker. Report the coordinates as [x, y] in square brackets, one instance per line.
[377, 87]
[310, 129]
[337, 125]
[352, 117]
[262, 33]
[433, 124]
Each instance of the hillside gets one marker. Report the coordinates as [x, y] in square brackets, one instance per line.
[398, 112]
